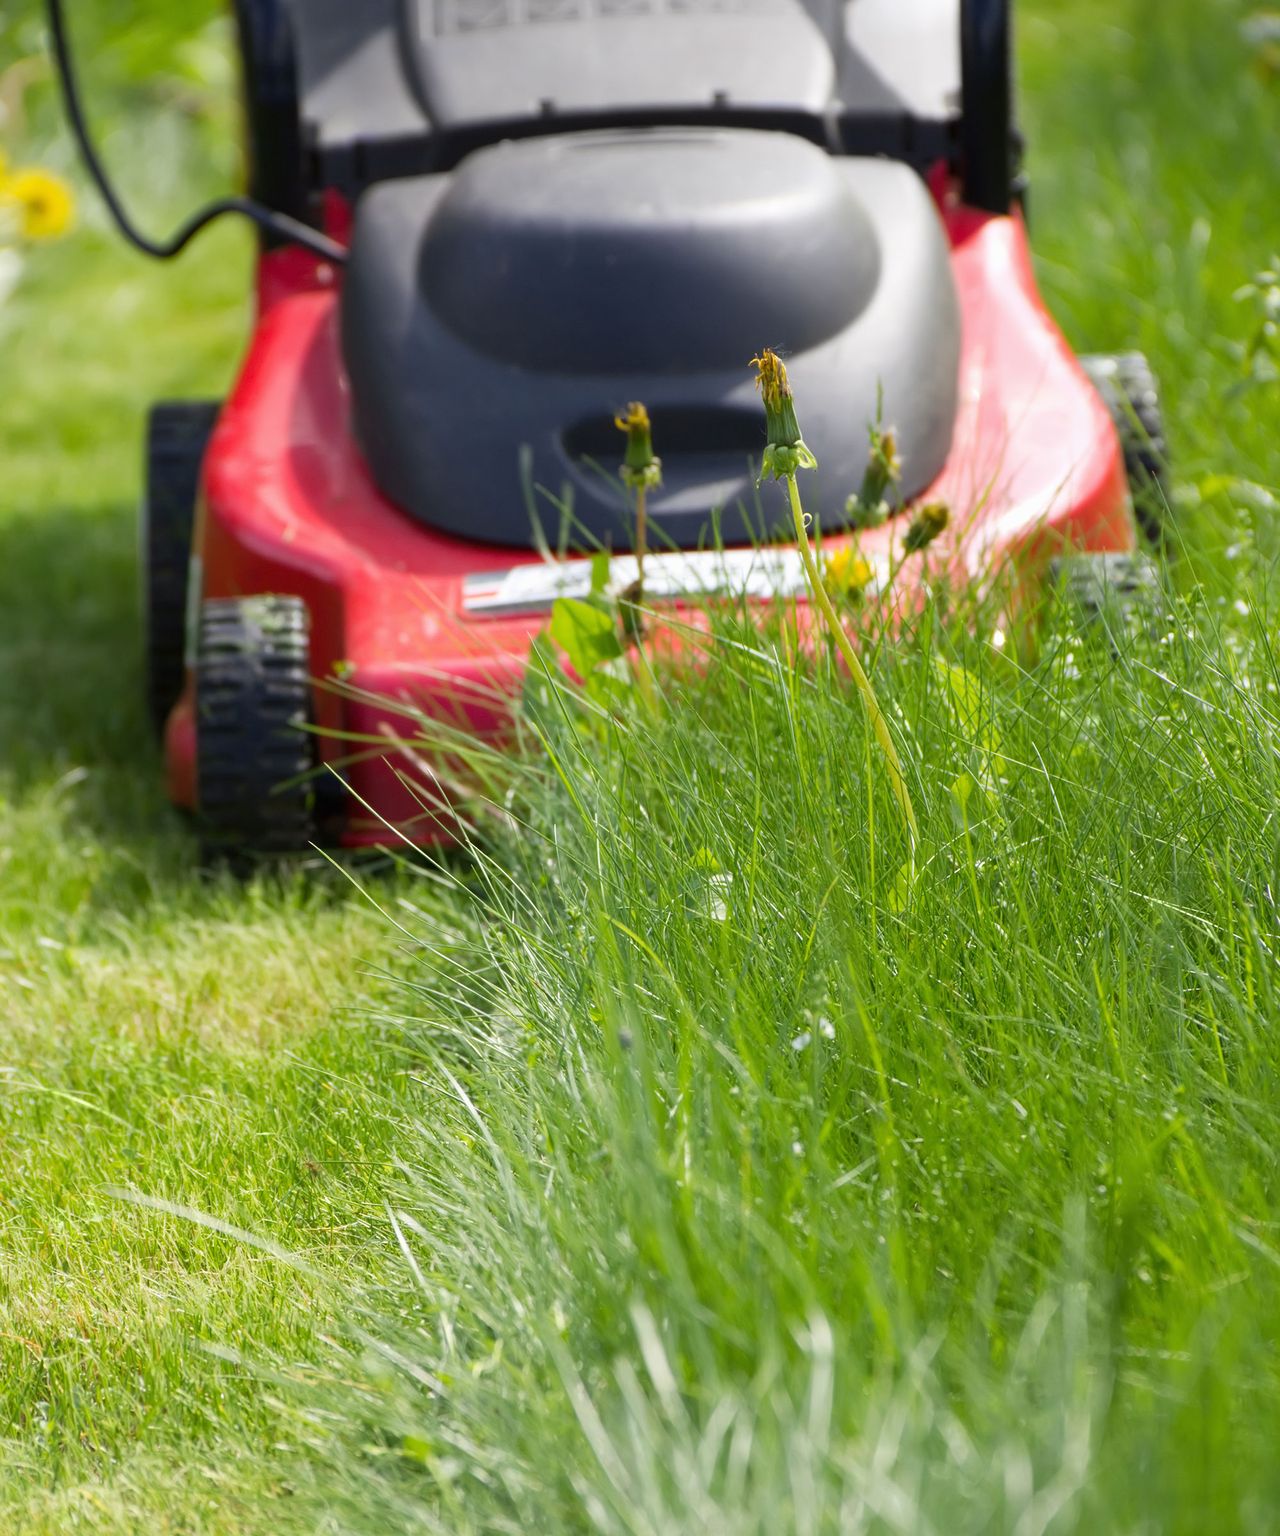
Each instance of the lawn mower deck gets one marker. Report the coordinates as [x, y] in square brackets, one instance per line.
[611, 228]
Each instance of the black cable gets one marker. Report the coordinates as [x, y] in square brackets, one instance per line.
[278, 224]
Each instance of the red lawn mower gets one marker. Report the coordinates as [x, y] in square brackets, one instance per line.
[489, 224]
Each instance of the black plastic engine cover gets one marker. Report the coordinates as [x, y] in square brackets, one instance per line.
[405, 87]
[582, 56]
[518, 303]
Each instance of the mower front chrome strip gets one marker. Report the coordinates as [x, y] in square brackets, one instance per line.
[768, 574]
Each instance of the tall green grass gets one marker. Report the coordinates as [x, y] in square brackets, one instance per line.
[747, 1205]
[1154, 157]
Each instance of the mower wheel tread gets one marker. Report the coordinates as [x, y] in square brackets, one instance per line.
[1108, 592]
[255, 757]
[178, 433]
[1128, 386]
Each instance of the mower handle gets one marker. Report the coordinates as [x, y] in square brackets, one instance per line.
[276, 160]
[986, 128]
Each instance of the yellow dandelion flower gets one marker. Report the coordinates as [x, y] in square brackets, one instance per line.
[45, 203]
[847, 571]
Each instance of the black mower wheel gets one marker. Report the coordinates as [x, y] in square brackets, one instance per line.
[255, 758]
[177, 436]
[989, 145]
[1108, 595]
[1131, 394]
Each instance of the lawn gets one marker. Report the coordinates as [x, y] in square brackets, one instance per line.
[730, 1200]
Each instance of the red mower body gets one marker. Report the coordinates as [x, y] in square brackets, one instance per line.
[409, 618]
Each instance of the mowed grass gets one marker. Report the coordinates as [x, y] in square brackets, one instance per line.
[161, 1031]
[994, 1249]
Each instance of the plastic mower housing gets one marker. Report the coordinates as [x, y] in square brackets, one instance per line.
[554, 207]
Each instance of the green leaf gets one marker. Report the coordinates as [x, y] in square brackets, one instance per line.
[611, 688]
[586, 634]
[600, 572]
[964, 692]
[903, 888]
[417, 1448]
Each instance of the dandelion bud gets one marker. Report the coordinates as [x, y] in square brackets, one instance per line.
[884, 469]
[930, 521]
[785, 450]
[864, 515]
[641, 468]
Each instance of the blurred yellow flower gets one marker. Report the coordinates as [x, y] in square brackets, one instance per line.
[45, 203]
[847, 571]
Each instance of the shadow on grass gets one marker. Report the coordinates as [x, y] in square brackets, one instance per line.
[82, 797]
[80, 771]
[70, 647]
